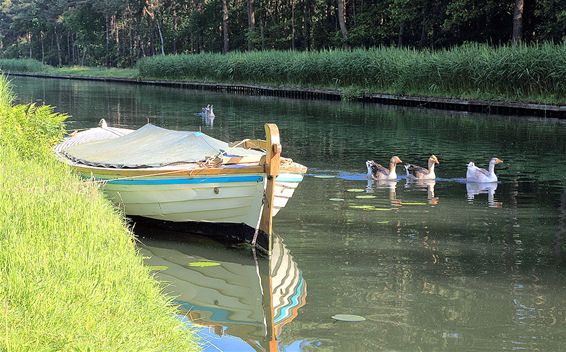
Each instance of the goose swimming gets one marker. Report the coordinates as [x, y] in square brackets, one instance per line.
[479, 175]
[415, 172]
[378, 172]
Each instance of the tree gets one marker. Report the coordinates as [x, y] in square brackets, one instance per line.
[226, 40]
[251, 24]
[342, 20]
[518, 20]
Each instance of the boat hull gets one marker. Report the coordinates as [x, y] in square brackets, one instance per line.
[221, 198]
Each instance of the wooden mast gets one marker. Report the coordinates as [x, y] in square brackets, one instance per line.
[271, 167]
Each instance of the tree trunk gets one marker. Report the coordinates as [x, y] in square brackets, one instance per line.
[342, 20]
[58, 42]
[175, 29]
[401, 32]
[107, 42]
[292, 24]
[42, 47]
[251, 24]
[226, 46]
[518, 20]
[29, 41]
[160, 37]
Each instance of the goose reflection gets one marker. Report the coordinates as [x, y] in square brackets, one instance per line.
[473, 189]
[427, 185]
[389, 185]
[239, 303]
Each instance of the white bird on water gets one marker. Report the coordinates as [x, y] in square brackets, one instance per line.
[479, 175]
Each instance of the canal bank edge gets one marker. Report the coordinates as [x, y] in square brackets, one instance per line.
[480, 106]
[72, 278]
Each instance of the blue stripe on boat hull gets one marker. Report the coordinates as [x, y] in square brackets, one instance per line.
[185, 181]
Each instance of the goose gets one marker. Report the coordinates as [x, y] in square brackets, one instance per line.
[207, 112]
[378, 172]
[415, 172]
[479, 175]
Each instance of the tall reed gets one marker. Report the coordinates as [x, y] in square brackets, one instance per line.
[22, 65]
[71, 277]
[473, 69]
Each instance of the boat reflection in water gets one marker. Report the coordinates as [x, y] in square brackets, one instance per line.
[233, 299]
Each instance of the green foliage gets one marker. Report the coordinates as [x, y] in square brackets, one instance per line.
[513, 71]
[118, 32]
[22, 65]
[71, 277]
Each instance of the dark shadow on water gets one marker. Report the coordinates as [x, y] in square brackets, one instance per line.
[226, 233]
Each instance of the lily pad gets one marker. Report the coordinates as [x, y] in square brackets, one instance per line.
[158, 267]
[413, 203]
[203, 264]
[367, 207]
[336, 199]
[355, 190]
[348, 317]
[323, 176]
[365, 197]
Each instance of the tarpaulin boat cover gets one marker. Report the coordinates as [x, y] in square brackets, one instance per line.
[152, 146]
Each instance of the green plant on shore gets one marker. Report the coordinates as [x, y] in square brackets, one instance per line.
[71, 277]
[22, 65]
[508, 72]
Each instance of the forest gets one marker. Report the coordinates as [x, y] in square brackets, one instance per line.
[116, 33]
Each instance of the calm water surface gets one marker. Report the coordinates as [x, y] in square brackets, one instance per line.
[443, 266]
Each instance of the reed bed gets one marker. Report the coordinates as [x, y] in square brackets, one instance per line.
[22, 65]
[71, 277]
[535, 71]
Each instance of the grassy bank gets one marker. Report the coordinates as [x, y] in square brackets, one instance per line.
[520, 73]
[71, 277]
[34, 66]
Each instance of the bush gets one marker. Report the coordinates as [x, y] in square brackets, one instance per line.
[22, 65]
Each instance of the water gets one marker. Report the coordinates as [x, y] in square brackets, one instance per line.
[437, 267]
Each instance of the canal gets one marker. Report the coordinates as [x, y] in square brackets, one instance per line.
[441, 266]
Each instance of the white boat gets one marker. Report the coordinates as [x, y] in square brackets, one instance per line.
[188, 177]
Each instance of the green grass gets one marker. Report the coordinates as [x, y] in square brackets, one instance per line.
[94, 71]
[22, 65]
[72, 279]
[516, 73]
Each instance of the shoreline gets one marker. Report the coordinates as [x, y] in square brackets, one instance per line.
[455, 104]
[71, 270]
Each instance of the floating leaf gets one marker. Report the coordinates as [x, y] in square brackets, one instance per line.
[158, 267]
[365, 197]
[323, 176]
[413, 203]
[203, 264]
[336, 199]
[367, 207]
[355, 190]
[348, 317]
